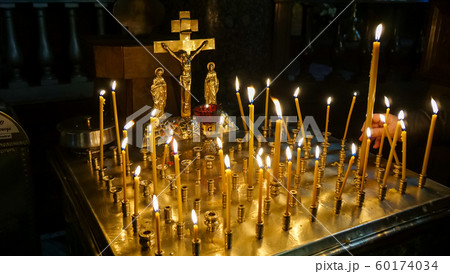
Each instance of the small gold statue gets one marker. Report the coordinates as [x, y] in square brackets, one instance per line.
[211, 85]
[159, 91]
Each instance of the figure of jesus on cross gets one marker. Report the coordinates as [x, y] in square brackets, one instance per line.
[184, 50]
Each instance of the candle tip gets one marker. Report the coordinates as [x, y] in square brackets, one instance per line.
[382, 118]
[155, 203]
[355, 93]
[268, 161]
[402, 123]
[237, 84]
[288, 154]
[369, 132]
[175, 146]
[137, 171]
[268, 82]
[128, 125]
[277, 106]
[297, 91]
[251, 93]
[194, 217]
[221, 119]
[260, 151]
[317, 152]
[329, 101]
[378, 32]
[353, 149]
[227, 161]
[114, 84]
[386, 102]
[102, 92]
[300, 142]
[259, 160]
[124, 143]
[219, 142]
[434, 106]
[154, 112]
[401, 115]
[169, 139]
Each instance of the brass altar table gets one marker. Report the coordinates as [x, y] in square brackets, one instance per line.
[92, 215]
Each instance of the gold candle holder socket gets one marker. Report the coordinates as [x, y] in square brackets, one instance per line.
[145, 187]
[134, 221]
[339, 183]
[108, 181]
[115, 193]
[162, 170]
[265, 131]
[209, 161]
[197, 205]
[360, 198]
[380, 172]
[180, 230]
[397, 170]
[402, 186]
[271, 148]
[101, 173]
[293, 199]
[422, 180]
[168, 214]
[337, 205]
[286, 221]
[342, 156]
[211, 221]
[320, 174]
[234, 181]
[240, 213]
[259, 230]
[313, 215]
[267, 202]
[297, 180]
[196, 247]
[382, 192]
[274, 189]
[250, 193]
[282, 169]
[323, 160]
[228, 239]
[125, 208]
[211, 187]
[244, 165]
[198, 151]
[318, 188]
[340, 169]
[198, 173]
[239, 146]
[184, 193]
[144, 153]
[159, 253]
[146, 239]
[378, 160]
[231, 153]
[129, 168]
[186, 164]
[303, 164]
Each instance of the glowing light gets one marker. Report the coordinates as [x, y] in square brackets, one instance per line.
[329, 101]
[155, 204]
[317, 152]
[175, 146]
[382, 118]
[251, 93]
[128, 125]
[277, 106]
[355, 93]
[300, 142]
[434, 106]
[227, 161]
[268, 82]
[102, 92]
[268, 161]
[113, 86]
[378, 32]
[237, 84]
[260, 151]
[153, 113]
[288, 154]
[124, 143]
[219, 143]
[403, 125]
[137, 171]
[194, 217]
[386, 102]
[401, 115]
[169, 139]
[353, 149]
[297, 91]
[259, 160]
[222, 120]
[368, 133]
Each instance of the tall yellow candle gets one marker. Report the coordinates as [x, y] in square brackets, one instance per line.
[178, 179]
[157, 220]
[194, 221]
[430, 137]
[136, 190]
[401, 115]
[316, 170]
[277, 145]
[166, 150]
[238, 96]
[288, 183]
[125, 135]
[102, 103]
[388, 136]
[403, 150]
[116, 119]
[251, 111]
[268, 176]
[349, 168]
[348, 117]
[124, 171]
[372, 86]
[299, 153]
[153, 152]
[228, 177]
[327, 119]
[260, 187]
[222, 165]
[299, 113]
[383, 134]
[267, 103]
[221, 121]
[368, 133]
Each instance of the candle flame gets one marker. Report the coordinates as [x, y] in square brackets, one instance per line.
[297, 91]
[353, 149]
[149, 128]
[251, 93]
[194, 217]
[401, 115]
[386, 102]
[300, 142]
[382, 118]
[355, 93]
[124, 143]
[222, 120]
[237, 84]
[259, 160]
[317, 152]
[207, 106]
[155, 204]
[329, 101]
[102, 92]
[175, 146]
[277, 106]
[137, 171]
[402, 123]
[169, 139]
[227, 161]
[288, 154]
[260, 151]
[268, 82]
[434, 106]
[153, 113]
[268, 163]
[219, 143]
[369, 132]
[114, 84]
[378, 32]
[128, 125]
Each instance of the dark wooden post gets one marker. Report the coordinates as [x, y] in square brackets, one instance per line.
[282, 33]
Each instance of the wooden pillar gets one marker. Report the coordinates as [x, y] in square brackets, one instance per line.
[74, 45]
[282, 33]
[45, 55]
[13, 54]
[100, 19]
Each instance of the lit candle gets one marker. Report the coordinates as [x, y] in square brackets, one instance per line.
[221, 121]
[299, 153]
[348, 117]
[403, 150]
[228, 176]
[222, 166]
[316, 169]
[368, 133]
[260, 187]
[277, 145]
[388, 136]
[178, 179]
[238, 96]
[124, 171]
[194, 221]
[125, 135]
[158, 231]
[102, 103]
[153, 152]
[136, 190]
[251, 111]
[166, 149]
[327, 119]
[430, 137]
[388, 106]
[299, 113]
[350, 164]
[267, 103]
[268, 174]
[116, 119]
[288, 183]
[372, 86]
[383, 120]
[401, 115]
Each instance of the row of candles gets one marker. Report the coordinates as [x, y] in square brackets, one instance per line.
[225, 163]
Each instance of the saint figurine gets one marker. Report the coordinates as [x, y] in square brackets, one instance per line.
[159, 91]
[211, 85]
[185, 79]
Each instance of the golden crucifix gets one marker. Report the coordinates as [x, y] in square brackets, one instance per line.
[184, 50]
